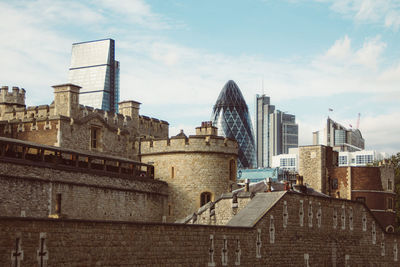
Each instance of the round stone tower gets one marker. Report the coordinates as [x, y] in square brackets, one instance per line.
[198, 168]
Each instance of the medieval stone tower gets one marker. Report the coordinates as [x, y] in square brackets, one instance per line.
[11, 100]
[198, 168]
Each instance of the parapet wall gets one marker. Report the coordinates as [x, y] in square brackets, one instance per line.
[297, 231]
[210, 144]
[12, 109]
[36, 181]
[16, 96]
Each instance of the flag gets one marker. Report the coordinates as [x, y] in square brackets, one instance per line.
[330, 109]
[351, 126]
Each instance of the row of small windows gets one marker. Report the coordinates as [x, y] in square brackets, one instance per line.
[287, 162]
[360, 159]
[364, 159]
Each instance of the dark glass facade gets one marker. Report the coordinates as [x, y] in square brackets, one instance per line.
[231, 116]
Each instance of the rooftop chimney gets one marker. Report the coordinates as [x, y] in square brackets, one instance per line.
[269, 185]
[247, 185]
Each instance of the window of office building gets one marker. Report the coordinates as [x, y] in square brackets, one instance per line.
[364, 159]
[342, 160]
[287, 162]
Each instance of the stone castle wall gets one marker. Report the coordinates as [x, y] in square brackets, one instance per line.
[318, 232]
[221, 211]
[312, 167]
[67, 124]
[28, 189]
[191, 166]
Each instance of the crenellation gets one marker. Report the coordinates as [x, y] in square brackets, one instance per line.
[193, 143]
[75, 123]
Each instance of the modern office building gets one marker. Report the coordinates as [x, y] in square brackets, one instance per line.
[339, 137]
[361, 158]
[231, 117]
[95, 70]
[288, 162]
[276, 131]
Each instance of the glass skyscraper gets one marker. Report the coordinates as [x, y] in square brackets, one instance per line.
[276, 131]
[231, 116]
[94, 68]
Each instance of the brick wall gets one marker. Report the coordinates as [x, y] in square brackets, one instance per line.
[366, 178]
[342, 174]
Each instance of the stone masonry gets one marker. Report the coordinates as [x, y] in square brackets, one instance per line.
[67, 124]
[371, 185]
[294, 230]
[192, 166]
[61, 187]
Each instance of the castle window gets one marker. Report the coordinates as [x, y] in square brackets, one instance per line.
[172, 172]
[58, 204]
[335, 183]
[360, 199]
[169, 210]
[232, 170]
[205, 197]
[390, 203]
[94, 137]
[390, 185]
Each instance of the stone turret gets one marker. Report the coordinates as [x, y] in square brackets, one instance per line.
[11, 100]
[198, 168]
[130, 108]
[207, 128]
[66, 100]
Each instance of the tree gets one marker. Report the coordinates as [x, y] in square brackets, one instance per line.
[395, 161]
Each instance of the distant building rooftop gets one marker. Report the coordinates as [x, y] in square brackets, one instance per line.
[257, 175]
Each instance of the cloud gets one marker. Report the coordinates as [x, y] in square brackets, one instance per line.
[385, 12]
[343, 54]
[137, 12]
[178, 83]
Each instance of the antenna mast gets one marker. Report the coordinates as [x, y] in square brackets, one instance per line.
[358, 120]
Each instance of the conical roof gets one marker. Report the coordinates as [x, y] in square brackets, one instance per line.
[231, 117]
[231, 96]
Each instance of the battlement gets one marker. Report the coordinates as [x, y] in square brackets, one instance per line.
[14, 97]
[193, 143]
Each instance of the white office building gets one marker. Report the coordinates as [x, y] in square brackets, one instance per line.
[361, 158]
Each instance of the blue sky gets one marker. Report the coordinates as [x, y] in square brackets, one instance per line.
[176, 55]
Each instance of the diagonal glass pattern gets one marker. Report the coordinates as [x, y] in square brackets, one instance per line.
[231, 116]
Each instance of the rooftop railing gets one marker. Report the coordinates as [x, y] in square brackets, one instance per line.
[61, 157]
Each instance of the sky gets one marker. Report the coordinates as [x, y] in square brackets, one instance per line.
[176, 55]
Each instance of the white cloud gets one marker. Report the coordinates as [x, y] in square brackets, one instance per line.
[138, 12]
[178, 83]
[385, 12]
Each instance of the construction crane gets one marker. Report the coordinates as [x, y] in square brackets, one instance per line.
[358, 120]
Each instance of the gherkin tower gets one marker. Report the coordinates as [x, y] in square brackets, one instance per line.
[231, 116]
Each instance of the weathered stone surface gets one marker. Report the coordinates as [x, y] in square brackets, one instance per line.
[29, 190]
[190, 167]
[96, 243]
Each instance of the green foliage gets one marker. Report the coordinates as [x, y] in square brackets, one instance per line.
[395, 160]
